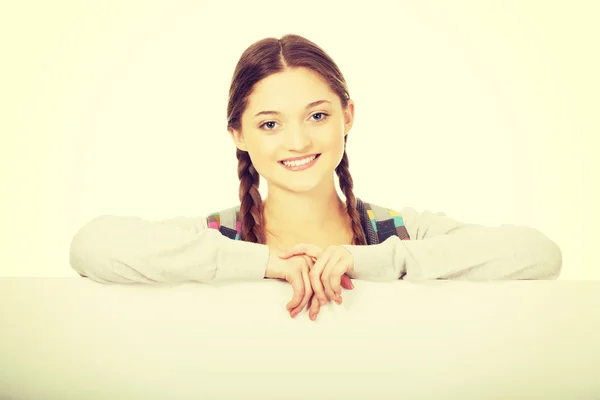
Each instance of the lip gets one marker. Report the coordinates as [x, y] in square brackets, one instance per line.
[300, 167]
[300, 158]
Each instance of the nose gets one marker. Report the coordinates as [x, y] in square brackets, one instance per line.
[297, 139]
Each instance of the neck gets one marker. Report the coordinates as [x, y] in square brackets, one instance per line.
[319, 209]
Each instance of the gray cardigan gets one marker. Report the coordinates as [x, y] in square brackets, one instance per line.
[407, 245]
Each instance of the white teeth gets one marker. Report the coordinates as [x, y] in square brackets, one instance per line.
[297, 163]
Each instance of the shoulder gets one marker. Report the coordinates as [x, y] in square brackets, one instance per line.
[421, 224]
[382, 221]
[226, 221]
[378, 212]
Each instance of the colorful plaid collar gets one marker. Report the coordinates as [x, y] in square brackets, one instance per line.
[378, 223]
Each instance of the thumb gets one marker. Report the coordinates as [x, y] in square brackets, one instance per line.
[310, 250]
[298, 289]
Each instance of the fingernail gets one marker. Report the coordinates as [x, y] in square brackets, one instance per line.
[351, 285]
[322, 302]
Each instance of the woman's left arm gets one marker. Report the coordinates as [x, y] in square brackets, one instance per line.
[443, 248]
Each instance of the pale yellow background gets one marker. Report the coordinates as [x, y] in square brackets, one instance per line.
[487, 111]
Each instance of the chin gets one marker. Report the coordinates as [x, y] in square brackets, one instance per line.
[303, 184]
[302, 187]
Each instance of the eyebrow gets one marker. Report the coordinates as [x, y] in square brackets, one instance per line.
[309, 105]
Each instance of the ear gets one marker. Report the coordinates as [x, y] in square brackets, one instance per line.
[348, 117]
[238, 139]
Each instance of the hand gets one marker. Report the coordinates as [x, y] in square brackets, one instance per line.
[294, 270]
[314, 305]
[328, 272]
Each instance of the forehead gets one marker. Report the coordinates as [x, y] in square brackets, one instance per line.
[289, 90]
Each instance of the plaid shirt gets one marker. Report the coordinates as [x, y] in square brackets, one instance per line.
[378, 223]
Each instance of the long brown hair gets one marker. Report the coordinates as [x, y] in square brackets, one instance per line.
[261, 59]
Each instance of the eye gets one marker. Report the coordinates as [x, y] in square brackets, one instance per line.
[269, 124]
[322, 115]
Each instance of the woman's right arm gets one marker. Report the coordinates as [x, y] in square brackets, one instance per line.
[126, 249]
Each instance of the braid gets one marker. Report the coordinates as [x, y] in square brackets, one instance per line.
[250, 200]
[346, 184]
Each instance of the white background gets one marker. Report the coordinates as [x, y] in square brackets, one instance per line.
[486, 111]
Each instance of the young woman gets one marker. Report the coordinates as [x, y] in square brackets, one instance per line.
[289, 115]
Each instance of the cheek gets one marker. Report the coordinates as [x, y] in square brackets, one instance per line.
[335, 145]
[262, 153]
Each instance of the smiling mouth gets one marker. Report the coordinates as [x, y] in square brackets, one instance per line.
[300, 163]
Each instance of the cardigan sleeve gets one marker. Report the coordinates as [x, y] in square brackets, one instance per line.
[443, 248]
[126, 249]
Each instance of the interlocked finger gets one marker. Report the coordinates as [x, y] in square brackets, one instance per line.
[330, 273]
[314, 308]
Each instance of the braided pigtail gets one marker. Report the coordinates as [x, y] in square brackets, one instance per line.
[250, 201]
[347, 185]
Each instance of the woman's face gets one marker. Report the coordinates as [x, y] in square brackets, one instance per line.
[294, 114]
